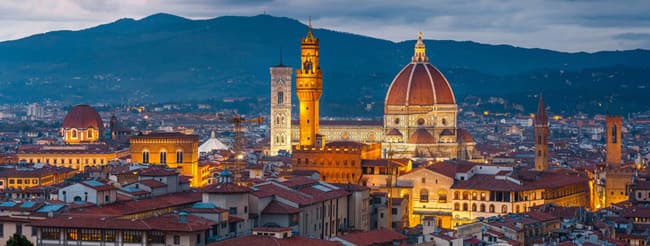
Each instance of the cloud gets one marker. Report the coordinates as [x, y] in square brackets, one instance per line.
[567, 25]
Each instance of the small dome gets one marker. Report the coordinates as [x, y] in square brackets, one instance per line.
[83, 117]
[225, 173]
[421, 136]
[447, 132]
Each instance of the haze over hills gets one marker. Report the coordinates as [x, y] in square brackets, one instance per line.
[166, 58]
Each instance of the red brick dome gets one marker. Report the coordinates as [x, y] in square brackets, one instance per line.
[419, 83]
[83, 117]
[421, 136]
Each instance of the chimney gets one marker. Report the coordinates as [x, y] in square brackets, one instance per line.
[182, 217]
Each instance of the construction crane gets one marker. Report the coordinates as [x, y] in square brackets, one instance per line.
[238, 146]
[389, 186]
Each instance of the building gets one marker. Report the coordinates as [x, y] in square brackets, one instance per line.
[612, 180]
[89, 191]
[337, 162]
[82, 124]
[541, 137]
[174, 150]
[420, 112]
[280, 108]
[24, 177]
[83, 132]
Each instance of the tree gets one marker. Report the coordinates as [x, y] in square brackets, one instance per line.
[19, 240]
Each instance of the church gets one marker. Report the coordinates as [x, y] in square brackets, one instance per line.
[420, 111]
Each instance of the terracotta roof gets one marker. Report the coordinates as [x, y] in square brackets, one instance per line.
[226, 188]
[152, 183]
[276, 207]
[299, 181]
[162, 135]
[421, 136]
[266, 240]
[419, 84]
[133, 207]
[65, 149]
[97, 185]
[465, 136]
[83, 116]
[373, 237]
[10, 172]
[446, 132]
[157, 172]
[168, 222]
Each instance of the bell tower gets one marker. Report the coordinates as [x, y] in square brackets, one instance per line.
[541, 137]
[280, 108]
[309, 87]
[614, 143]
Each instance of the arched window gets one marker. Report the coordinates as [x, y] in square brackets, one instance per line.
[163, 157]
[465, 195]
[539, 139]
[442, 196]
[614, 140]
[474, 207]
[280, 97]
[504, 209]
[74, 133]
[424, 195]
[179, 156]
[145, 156]
[474, 196]
[456, 206]
[491, 208]
[465, 207]
[482, 196]
[90, 133]
[482, 208]
[456, 195]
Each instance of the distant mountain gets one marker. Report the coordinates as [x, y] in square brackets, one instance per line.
[166, 58]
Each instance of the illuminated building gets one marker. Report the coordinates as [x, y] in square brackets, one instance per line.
[82, 125]
[33, 176]
[175, 150]
[280, 108]
[337, 162]
[612, 180]
[82, 132]
[458, 193]
[541, 137]
[420, 113]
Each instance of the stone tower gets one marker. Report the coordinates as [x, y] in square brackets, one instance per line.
[541, 137]
[309, 87]
[614, 143]
[280, 108]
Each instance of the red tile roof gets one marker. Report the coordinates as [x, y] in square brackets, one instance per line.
[167, 222]
[134, 207]
[83, 116]
[276, 207]
[373, 237]
[152, 183]
[223, 188]
[299, 181]
[157, 172]
[266, 240]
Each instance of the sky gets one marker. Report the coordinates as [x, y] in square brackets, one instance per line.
[564, 25]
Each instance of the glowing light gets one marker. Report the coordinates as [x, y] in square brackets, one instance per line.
[486, 113]
[532, 115]
[557, 117]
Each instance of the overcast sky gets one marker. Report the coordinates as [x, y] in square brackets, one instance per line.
[567, 25]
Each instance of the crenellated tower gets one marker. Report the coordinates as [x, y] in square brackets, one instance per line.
[614, 143]
[309, 87]
[541, 137]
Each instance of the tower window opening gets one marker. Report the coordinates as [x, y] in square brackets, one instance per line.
[280, 97]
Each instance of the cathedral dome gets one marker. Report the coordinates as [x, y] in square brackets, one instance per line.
[421, 136]
[419, 83]
[83, 117]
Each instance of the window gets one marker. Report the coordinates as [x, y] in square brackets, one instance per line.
[2, 230]
[107, 198]
[280, 97]
[177, 239]
[456, 206]
[474, 207]
[156, 237]
[539, 139]
[74, 133]
[424, 195]
[482, 196]
[90, 134]
[48, 233]
[109, 236]
[394, 211]
[465, 195]
[456, 195]
[442, 196]
[424, 180]
[474, 196]
[465, 207]
[19, 229]
[614, 140]
[482, 207]
[145, 156]
[179, 156]
[232, 210]
[91, 235]
[132, 237]
[504, 209]
[163, 157]
[491, 208]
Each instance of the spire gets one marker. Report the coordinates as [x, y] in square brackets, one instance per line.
[540, 117]
[420, 50]
[310, 35]
[281, 62]
[212, 135]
